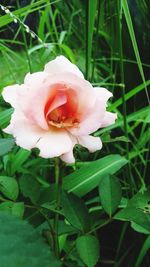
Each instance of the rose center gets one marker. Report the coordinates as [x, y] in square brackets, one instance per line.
[61, 111]
[59, 118]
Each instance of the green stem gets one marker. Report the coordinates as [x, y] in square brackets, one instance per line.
[58, 182]
[87, 43]
[50, 238]
[96, 45]
[100, 226]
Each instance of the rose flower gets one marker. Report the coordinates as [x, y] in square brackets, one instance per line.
[57, 108]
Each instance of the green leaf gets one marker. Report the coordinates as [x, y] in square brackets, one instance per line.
[139, 228]
[75, 211]
[23, 244]
[10, 207]
[38, 194]
[140, 200]
[74, 259]
[110, 194]
[6, 145]
[9, 187]
[47, 195]
[137, 211]
[65, 228]
[5, 117]
[68, 52]
[88, 177]
[19, 158]
[88, 249]
[135, 215]
[147, 119]
[62, 241]
[30, 187]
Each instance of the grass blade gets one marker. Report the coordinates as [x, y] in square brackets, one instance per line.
[134, 43]
[90, 16]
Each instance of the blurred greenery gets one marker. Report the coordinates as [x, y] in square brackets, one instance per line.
[109, 42]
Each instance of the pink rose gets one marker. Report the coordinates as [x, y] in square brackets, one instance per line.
[57, 108]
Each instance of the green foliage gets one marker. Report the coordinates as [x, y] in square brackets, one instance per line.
[134, 43]
[106, 39]
[18, 159]
[85, 179]
[137, 212]
[14, 208]
[6, 145]
[91, 15]
[88, 249]
[30, 187]
[6, 19]
[9, 187]
[145, 248]
[110, 194]
[5, 117]
[23, 244]
[76, 212]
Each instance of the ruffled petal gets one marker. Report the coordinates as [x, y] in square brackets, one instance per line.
[109, 119]
[33, 106]
[59, 100]
[95, 116]
[92, 120]
[90, 142]
[62, 64]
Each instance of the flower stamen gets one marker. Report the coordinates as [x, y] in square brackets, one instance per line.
[64, 122]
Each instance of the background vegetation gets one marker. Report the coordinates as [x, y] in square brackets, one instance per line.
[106, 218]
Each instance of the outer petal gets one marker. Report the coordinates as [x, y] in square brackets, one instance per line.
[90, 142]
[95, 116]
[103, 94]
[109, 119]
[68, 157]
[36, 78]
[54, 143]
[62, 64]
[25, 133]
[11, 94]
